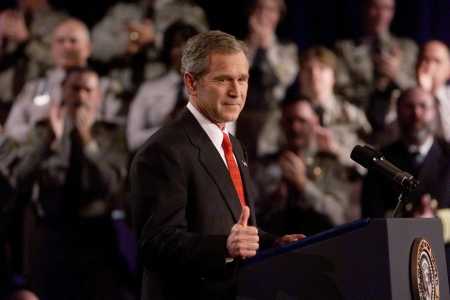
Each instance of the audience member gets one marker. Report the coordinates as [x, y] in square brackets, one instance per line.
[8, 157]
[160, 99]
[70, 47]
[378, 58]
[74, 165]
[343, 125]
[273, 66]
[24, 47]
[433, 73]
[417, 151]
[302, 189]
[129, 38]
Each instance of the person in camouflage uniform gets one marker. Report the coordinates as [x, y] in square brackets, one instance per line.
[24, 47]
[273, 67]
[128, 40]
[300, 187]
[73, 165]
[378, 59]
[70, 47]
[343, 125]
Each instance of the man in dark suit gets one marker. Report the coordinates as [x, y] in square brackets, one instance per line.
[423, 155]
[190, 185]
[418, 152]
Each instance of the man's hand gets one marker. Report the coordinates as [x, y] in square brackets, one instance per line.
[326, 141]
[425, 77]
[289, 238]
[427, 207]
[12, 26]
[261, 34]
[293, 169]
[56, 117]
[243, 240]
[388, 63]
[84, 119]
[140, 34]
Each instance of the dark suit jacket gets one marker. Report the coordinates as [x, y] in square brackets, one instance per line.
[184, 205]
[434, 176]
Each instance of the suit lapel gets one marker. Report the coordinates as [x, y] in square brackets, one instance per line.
[211, 160]
[431, 166]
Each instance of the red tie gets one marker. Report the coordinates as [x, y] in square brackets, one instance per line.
[233, 168]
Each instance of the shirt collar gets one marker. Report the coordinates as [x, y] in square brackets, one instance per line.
[442, 95]
[422, 149]
[212, 130]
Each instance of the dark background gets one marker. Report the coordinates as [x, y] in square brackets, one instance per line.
[307, 22]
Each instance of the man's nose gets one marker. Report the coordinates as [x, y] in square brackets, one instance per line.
[418, 112]
[233, 89]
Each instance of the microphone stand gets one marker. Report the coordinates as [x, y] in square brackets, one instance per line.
[398, 206]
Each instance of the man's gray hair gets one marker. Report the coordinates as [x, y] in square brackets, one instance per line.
[198, 48]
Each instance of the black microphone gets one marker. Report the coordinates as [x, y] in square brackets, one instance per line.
[374, 160]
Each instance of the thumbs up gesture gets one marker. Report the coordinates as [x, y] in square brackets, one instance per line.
[243, 240]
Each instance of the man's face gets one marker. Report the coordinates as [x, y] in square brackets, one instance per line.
[268, 12]
[379, 15]
[220, 93]
[70, 45]
[316, 78]
[435, 60]
[416, 116]
[298, 122]
[81, 91]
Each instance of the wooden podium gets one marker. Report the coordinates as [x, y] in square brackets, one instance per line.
[367, 259]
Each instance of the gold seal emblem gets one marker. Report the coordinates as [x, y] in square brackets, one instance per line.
[424, 274]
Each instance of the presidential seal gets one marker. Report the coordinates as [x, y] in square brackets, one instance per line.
[424, 274]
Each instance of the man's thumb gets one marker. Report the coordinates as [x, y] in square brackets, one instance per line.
[245, 214]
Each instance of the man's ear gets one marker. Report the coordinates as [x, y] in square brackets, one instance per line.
[190, 83]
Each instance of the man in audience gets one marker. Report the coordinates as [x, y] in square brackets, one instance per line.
[377, 59]
[273, 67]
[158, 101]
[433, 73]
[417, 151]
[302, 188]
[24, 47]
[128, 40]
[74, 165]
[70, 47]
[343, 124]
[8, 158]
[422, 154]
